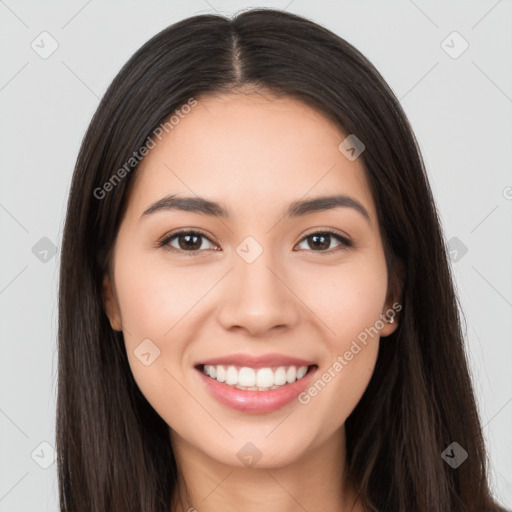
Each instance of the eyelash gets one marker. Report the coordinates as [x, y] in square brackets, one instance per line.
[164, 243]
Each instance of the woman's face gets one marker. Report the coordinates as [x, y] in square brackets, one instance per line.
[258, 290]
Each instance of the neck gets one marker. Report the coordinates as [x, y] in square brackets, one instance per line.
[318, 480]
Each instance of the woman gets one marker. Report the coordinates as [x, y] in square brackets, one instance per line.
[256, 309]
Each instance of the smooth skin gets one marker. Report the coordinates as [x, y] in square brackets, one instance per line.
[255, 154]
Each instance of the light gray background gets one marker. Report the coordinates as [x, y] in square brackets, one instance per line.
[460, 109]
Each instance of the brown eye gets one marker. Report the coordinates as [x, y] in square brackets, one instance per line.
[185, 241]
[321, 241]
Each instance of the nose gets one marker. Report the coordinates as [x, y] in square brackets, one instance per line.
[257, 297]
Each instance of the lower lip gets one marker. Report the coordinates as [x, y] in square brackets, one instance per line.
[257, 401]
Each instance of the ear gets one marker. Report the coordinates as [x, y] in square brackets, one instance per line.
[393, 306]
[110, 304]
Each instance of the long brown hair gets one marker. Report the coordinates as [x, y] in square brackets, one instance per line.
[114, 452]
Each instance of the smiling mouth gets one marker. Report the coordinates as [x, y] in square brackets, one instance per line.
[255, 379]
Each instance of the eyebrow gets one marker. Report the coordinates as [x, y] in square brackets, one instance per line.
[297, 208]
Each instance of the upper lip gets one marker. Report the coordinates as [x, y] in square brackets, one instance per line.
[264, 361]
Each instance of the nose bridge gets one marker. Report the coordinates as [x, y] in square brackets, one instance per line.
[257, 299]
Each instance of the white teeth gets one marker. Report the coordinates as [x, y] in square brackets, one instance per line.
[291, 374]
[280, 376]
[301, 372]
[221, 374]
[264, 378]
[261, 379]
[231, 376]
[246, 377]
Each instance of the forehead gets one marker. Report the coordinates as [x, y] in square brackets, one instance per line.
[250, 152]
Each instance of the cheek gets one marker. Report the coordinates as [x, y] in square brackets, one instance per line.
[154, 302]
[347, 298]
[154, 297]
